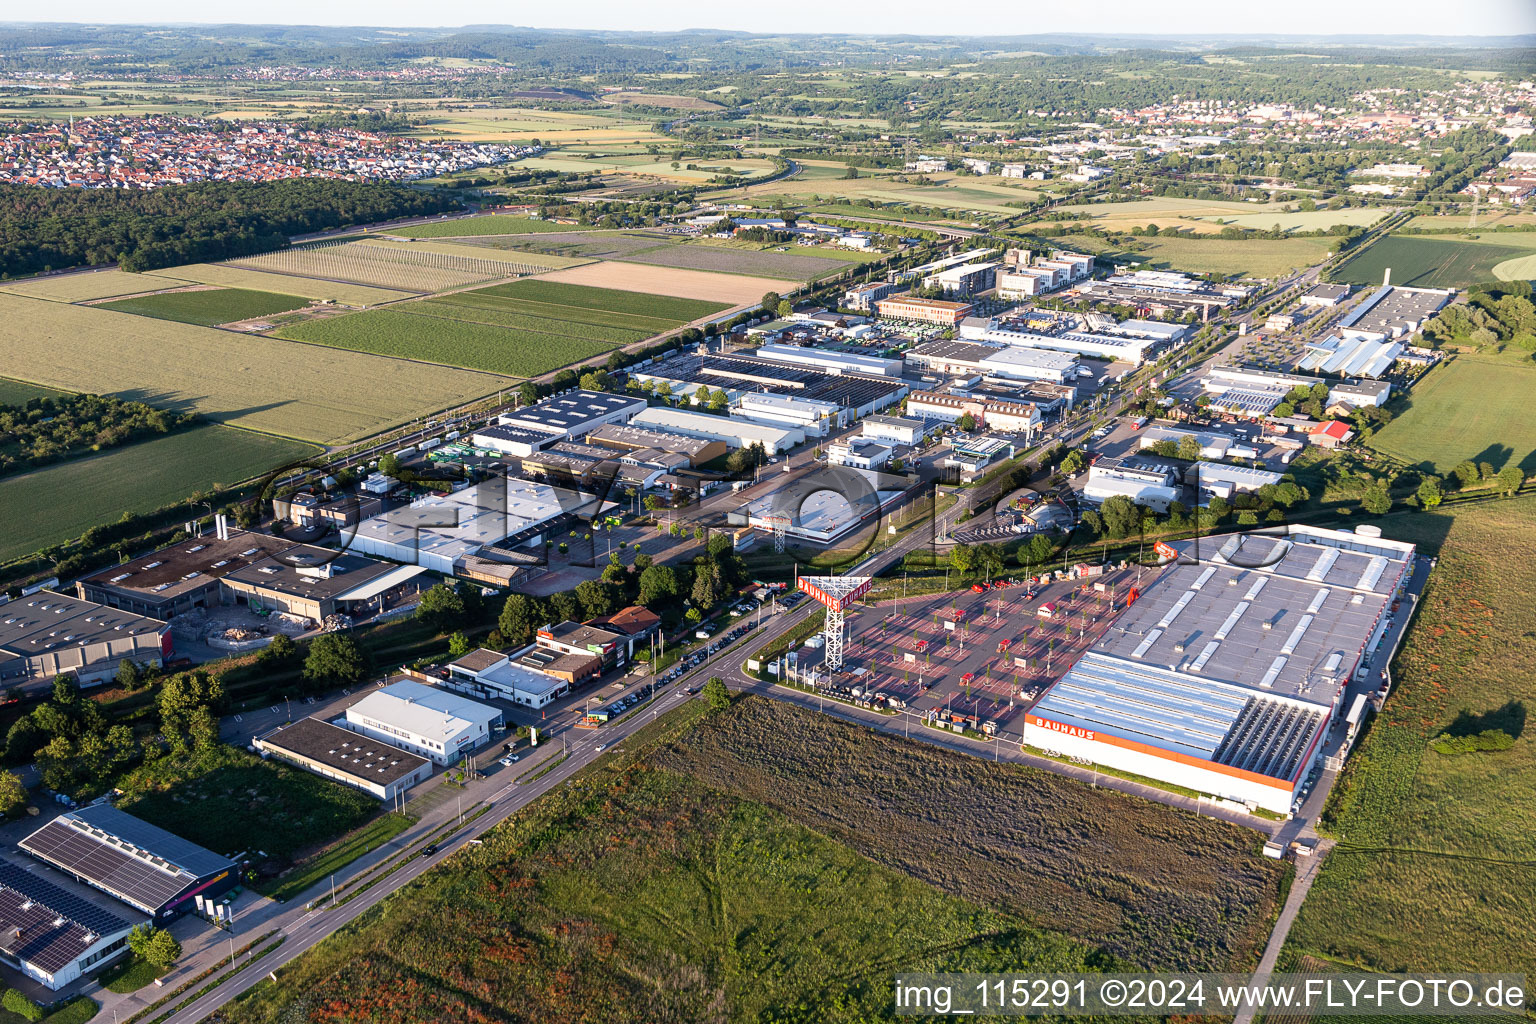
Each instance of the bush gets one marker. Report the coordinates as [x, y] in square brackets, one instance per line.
[1488, 740]
[19, 1004]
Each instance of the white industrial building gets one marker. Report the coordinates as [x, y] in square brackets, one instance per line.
[1132, 349]
[573, 414]
[425, 720]
[443, 529]
[832, 362]
[1360, 392]
[1356, 355]
[52, 935]
[900, 429]
[736, 433]
[972, 358]
[500, 675]
[859, 453]
[1145, 483]
[814, 418]
[1223, 480]
[1026, 282]
[1226, 673]
[967, 279]
[1212, 446]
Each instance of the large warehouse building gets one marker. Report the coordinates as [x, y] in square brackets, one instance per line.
[154, 871]
[425, 720]
[362, 762]
[47, 634]
[1226, 673]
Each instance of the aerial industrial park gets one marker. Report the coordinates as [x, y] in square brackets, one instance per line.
[628, 526]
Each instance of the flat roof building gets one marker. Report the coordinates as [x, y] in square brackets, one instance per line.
[1218, 478]
[52, 935]
[153, 871]
[900, 429]
[491, 674]
[928, 311]
[1391, 312]
[832, 362]
[1145, 483]
[697, 450]
[425, 720]
[690, 373]
[1002, 331]
[815, 418]
[736, 433]
[1225, 673]
[585, 639]
[178, 577]
[342, 755]
[1356, 355]
[1324, 295]
[329, 583]
[47, 634]
[575, 413]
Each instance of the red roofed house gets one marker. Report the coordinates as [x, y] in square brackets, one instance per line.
[1331, 434]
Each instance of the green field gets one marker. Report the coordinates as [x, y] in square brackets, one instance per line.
[584, 329]
[476, 346]
[1438, 262]
[580, 296]
[1436, 863]
[15, 392]
[1475, 407]
[209, 308]
[644, 893]
[232, 801]
[1266, 258]
[62, 501]
[795, 265]
[492, 224]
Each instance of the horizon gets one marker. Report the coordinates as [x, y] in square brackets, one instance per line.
[1197, 19]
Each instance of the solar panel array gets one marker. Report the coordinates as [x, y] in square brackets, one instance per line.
[118, 853]
[56, 927]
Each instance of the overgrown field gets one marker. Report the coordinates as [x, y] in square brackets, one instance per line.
[208, 308]
[102, 284]
[1438, 262]
[643, 895]
[1151, 885]
[1255, 257]
[232, 801]
[1474, 407]
[305, 391]
[786, 266]
[478, 346]
[62, 501]
[1436, 860]
[1210, 216]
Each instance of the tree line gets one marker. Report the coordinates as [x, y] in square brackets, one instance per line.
[47, 430]
[44, 229]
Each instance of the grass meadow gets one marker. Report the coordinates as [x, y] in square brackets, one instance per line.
[15, 392]
[1246, 257]
[229, 276]
[305, 391]
[491, 224]
[643, 894]
[62, 501]
[208, 308]
[1436, 262]
[1436, 861]
[1474, 407]
[232, 801]
[659, 307]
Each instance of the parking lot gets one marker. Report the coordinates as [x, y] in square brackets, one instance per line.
[977, 659]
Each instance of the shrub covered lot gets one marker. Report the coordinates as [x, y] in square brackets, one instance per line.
[768, 864]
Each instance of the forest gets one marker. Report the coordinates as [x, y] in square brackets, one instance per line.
[50, 429]
[51, 229]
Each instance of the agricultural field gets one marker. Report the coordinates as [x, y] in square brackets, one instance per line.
[491, 224]
[473, 345]
[227, 276]
[15, 392]
[552, 290]
[1435, 848]
[1152, 886]
[1210, 216]
[520, 124]
[208, 307]
[302, 391]
[62, 501]
[968, 194]
[232, 801]
[103, 284]
[1263, 258]
[381, 264]
[476, 247]
[713, 292]
[1474, 407]
[1485, 219]
[646, 164]
[795, 265]
[1440, 261]
[644, 894]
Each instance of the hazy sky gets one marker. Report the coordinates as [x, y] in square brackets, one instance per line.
[977, 17]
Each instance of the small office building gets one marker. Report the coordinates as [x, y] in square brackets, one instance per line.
[425, 720]
[155, 872]
[490, 674]
[341, 755]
